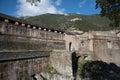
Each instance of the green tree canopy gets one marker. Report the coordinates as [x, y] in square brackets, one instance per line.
[110, 9]
[33, 2]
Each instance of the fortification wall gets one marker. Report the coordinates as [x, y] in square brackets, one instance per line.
[107, 48]
[80, 43]
[16, 37]
[102, 45]
[25, 48]
[22, 69]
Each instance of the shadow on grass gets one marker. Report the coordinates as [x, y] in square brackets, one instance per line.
[98, 70]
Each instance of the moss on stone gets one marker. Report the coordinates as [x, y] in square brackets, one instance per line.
[51, 70]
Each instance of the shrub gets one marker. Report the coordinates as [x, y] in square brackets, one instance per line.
[98, 70]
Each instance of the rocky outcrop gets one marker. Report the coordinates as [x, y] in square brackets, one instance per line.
[48, 76]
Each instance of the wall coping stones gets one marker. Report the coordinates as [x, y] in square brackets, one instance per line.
[6, 56]
[11, 19]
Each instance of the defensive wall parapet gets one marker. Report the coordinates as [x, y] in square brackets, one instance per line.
[96, 45]
[25, 48]
[17, 34]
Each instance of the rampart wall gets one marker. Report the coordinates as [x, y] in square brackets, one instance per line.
[107, 48]
[15, 37]
[25, 48]
[96, 45]
[22, 68]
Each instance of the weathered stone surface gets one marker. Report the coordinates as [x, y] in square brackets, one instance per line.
[61, 61]
[22, 69]
[98, 45]
[107, 52]
[25, 51]
[14, 37]
[47, 76]
[19, 36]
[7, 56]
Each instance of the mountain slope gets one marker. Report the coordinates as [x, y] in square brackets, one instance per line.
[73, 21]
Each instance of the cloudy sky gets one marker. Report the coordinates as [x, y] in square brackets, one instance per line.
[22, 8]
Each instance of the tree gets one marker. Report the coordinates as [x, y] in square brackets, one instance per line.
[110, 9]
[33, 2]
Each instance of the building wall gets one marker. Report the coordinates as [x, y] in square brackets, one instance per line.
[16, 37]
[107, 48]
[22, 69]
[71, 42]
[80, 43]
[24, 50]
[103, 46]
[97, 45]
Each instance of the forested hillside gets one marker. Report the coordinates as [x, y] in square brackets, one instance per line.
[73, 21]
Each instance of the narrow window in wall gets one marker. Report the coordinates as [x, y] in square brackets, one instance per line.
[109, 43]
[82, 43]
[70, 46]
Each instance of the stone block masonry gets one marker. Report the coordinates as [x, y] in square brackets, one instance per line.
[22, 69]
[25, 48]
[24, 45]
[95, 45]
[14, 37]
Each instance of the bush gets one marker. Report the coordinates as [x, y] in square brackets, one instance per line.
[81, 64]
[98, 70]
[51, 70]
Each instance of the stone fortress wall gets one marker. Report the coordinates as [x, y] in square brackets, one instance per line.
[96, 45]
[30, 37]
[25, 47]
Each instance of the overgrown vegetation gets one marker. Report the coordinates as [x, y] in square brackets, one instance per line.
[81, 64]
[85, 22]
[98, 70]
[51, 70]
[110, 9]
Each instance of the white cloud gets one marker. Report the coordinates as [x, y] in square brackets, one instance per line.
[45, 6]
[82, 3]
[78, 13]
[58, 2]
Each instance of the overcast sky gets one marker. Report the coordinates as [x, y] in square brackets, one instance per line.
[22, 8]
